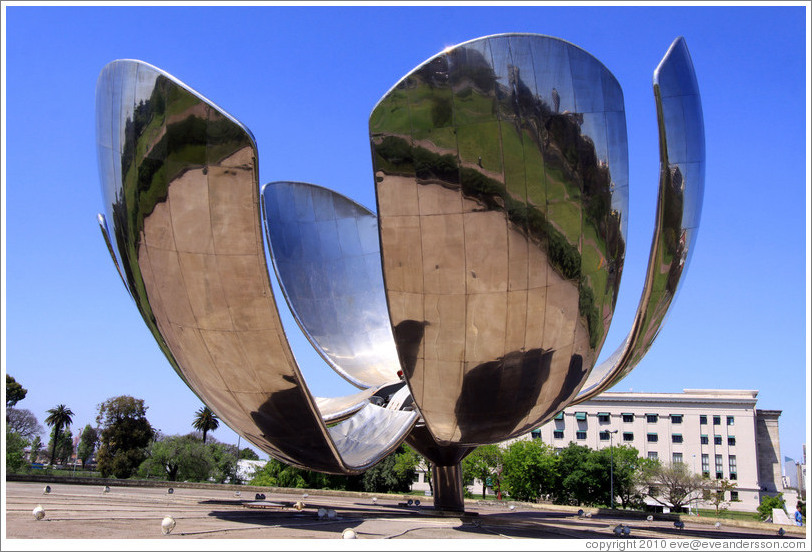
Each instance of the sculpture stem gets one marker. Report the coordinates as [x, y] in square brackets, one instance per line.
[447, 482]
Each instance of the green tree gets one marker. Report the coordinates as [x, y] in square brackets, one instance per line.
[58, 417]
[248, 454]
[482, 464]
[23, 422]
[528, 469]
[673, 485]
[627, 463]
[125, 436]
[715, 492]
[15, 457]
[87, 444]
[395, 473]
[407, 461]
[14, 392]
[178, 458]
[277, 474]
[765, 509]
[36, 447]
[224, 462]
[62, 444]
[205, 421]
[582, 476]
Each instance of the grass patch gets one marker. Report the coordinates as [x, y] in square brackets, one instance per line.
[566, 216]
[729, 514]
[392, 114]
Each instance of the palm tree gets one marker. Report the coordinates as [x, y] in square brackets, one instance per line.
[59, 417]
[205, 421]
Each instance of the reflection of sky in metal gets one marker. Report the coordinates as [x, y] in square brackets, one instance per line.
[181, 199]
[326, 253]
[682, 185]
[502, 185]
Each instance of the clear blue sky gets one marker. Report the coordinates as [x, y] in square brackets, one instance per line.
[304, 80]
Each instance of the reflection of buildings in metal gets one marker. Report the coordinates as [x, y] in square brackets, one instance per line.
[501, 181]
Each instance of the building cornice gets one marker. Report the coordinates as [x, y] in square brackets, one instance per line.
[745, 398]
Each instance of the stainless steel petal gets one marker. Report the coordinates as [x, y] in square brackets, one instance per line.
[679, 206]
[182, 194]
[333, 409]
[336, 409]
[326, 254]
[106, 234]
[501, 176]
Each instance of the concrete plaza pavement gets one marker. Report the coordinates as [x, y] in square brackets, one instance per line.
[89, 512]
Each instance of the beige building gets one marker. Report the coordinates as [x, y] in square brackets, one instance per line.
[719, 433]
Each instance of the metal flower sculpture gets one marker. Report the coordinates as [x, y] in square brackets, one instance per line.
[470, 310]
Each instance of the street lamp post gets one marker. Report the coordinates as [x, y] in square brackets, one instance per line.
[611, 470]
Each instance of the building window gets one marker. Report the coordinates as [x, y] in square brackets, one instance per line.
[580, 435]
[651, 438]
[703, 439]
[730, 420]
[731, 441]
[604, 435]
[734, 496]
[628, 418]
[717, 439]
[535, 434]
[603, 417]
[731, 463]
[703, 420]
[719, 473]
[676, 418]
[558, 434]
[676, 438]
[580, 416]
[652, 454]
[717, 420]
[559, 416]
[651, 418]
[416, 478]
[676, 458]
[705, 465]
[628, 436]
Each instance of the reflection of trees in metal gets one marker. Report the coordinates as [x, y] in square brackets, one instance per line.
[180, 185]
[501, 182]
[394, 152]
[679, 204]
[488, 123]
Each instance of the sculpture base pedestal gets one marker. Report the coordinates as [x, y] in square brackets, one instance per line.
[447, 486]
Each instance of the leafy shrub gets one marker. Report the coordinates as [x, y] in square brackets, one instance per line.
[765, 509]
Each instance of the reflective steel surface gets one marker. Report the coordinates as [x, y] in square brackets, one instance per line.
[679, 207]
[106, 235]
[326, 253]
[489, 276]
[502, 181]
[180, 185]
[334, 288]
